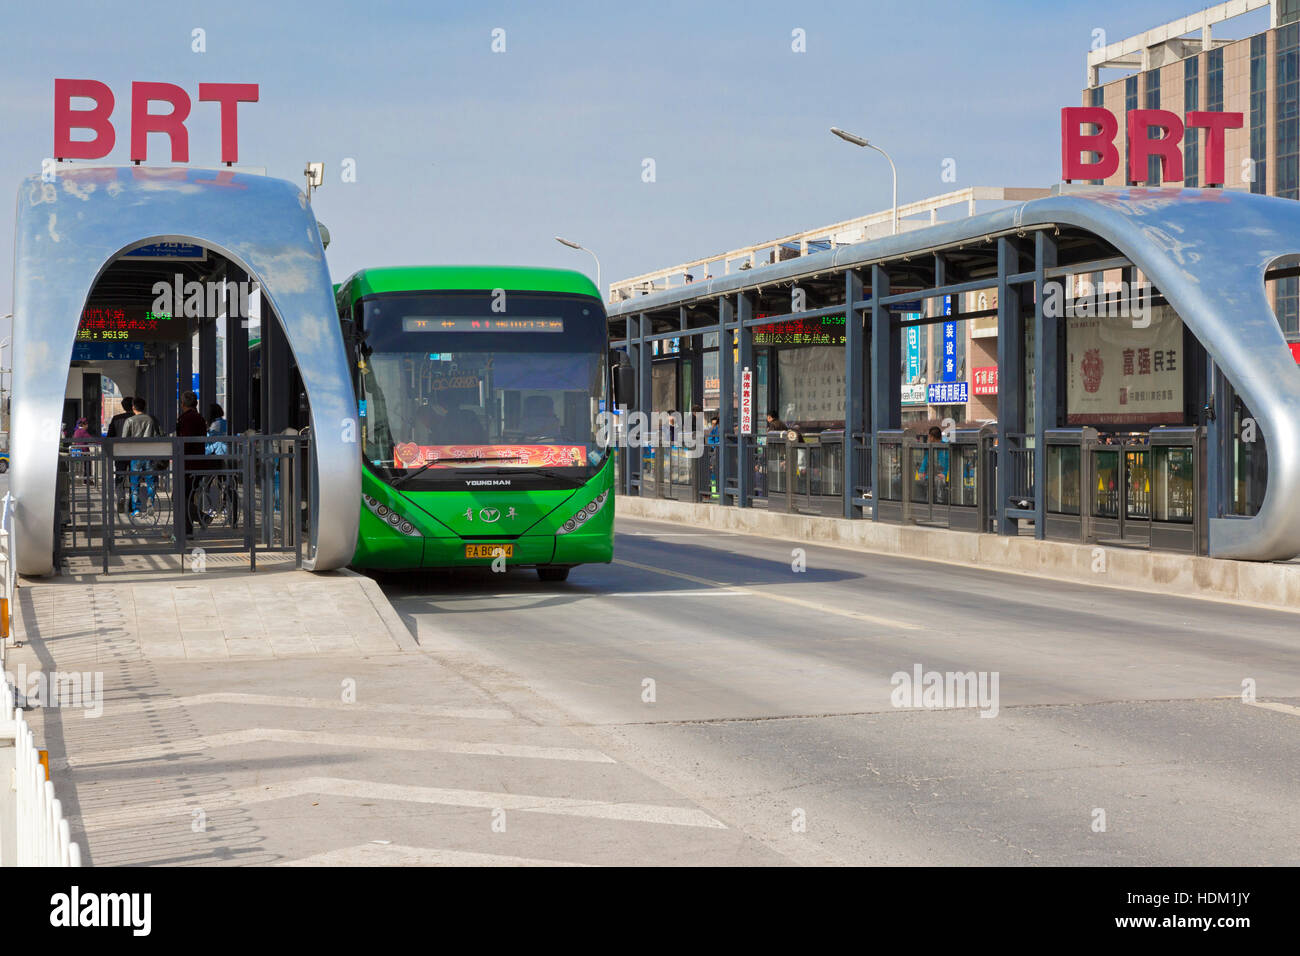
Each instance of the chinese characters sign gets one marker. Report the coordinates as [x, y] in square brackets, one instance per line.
[828, 330]
[1122, 375]
[110, 323]
[411, 455]
[948, 393]
[986, 380]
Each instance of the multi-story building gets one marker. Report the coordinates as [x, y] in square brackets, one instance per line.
[1184, 66]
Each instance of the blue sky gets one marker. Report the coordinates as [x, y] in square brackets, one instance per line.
[465, 155]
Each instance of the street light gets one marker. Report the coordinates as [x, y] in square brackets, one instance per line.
[859, 141]
[575, 245]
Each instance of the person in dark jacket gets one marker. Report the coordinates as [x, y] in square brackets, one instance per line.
[121, 465]
[190, 424]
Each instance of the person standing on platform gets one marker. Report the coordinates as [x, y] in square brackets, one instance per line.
[190, 424]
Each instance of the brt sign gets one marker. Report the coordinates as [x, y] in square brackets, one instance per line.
[98, 118]
[1141, 123]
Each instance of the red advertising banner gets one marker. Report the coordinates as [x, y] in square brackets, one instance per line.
[984, 380]
[411, 455]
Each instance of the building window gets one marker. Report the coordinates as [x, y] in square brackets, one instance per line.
[1096, 98]
[1130, 104]
[1258, 112]
[1214, 80]
[1153, 103]
[1287, 115]
[1192, 137]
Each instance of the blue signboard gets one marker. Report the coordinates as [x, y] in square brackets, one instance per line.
[913, 352]
[194, 382]
[948, 393]
[107, 351]
[169, 251]
[949, 344]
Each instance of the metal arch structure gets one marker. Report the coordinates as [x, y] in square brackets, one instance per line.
[71, 227]
[1206, 250]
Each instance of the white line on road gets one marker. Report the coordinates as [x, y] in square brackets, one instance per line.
[1274, 705]
[270, 700]
[783, 598]
[366, 742]
[370, 854]
[150, 813]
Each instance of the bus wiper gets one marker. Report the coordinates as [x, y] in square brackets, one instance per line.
[438, 461]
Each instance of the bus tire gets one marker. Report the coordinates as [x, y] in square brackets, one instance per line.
[553, 573]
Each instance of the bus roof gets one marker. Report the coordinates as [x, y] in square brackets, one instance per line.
[435, 278]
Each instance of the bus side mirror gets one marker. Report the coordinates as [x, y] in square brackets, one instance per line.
[624, 384]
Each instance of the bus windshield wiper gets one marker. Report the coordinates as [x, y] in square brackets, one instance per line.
[438, 461]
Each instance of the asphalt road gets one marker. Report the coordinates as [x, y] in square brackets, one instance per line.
[759, 684]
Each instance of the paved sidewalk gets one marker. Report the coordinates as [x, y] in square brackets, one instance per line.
[281, 613]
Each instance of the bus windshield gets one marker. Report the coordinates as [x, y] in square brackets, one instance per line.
[472, 382]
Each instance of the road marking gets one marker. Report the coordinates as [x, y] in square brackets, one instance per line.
[1274, 705]
[322, 738]
[679, 534]
[152, 813]
[270, 700]
[784, 599]
[687, 592]
[370, 854]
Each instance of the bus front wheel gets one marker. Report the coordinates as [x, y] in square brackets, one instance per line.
[553, 573]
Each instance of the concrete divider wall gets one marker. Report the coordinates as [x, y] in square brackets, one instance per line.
[1276, 585]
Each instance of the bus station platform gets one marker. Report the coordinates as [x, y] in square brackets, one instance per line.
[1268, 584]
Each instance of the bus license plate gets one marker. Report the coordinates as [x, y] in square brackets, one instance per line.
[489, 550]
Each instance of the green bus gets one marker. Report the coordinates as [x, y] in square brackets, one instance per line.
[479, 394]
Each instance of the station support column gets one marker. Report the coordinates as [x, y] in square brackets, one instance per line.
[1011, 377]
[886, 376]
[726, 391]
[237, 366]
[744, 465]
[207, 364]
[1046, 374]
[854, 336]
[644, 393]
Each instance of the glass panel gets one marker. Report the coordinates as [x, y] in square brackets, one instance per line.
[1175, 487]
[966, 491]
[1063, 479]
[889, 474]
[776, 467]
[918, 462]
[1106, 468]
[1137, 465]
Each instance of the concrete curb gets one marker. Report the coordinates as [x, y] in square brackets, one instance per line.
[1259, 584]
[401, 636]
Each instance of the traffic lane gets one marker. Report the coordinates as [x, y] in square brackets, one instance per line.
[1209, 647]
[1180, 783]
[719, 653]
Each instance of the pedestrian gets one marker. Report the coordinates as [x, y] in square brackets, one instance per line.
[81, 438]
[120, 466]
[140, 425]
[190, 424]
[774, 423]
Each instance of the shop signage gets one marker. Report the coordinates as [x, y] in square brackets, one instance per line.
[948, 393]
[913, 395]
[985, 380]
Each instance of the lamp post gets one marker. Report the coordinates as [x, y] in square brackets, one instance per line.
[859, 141]
[574, 245]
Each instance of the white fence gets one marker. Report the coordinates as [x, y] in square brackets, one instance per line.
[33, 831]
[40, 833]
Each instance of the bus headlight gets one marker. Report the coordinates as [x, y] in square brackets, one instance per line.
[585, 514]
[391, 517]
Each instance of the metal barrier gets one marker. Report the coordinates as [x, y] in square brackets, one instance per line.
[805, 476]
[889, 475]
[1022, 490]
[860, 448]
[33, 814]
[943, 482]
[9, 575]
[131, 496]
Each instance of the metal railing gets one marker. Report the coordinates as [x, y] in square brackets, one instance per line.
[129, 496]
[8, 576]
[1021, 488]
[41, 834]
